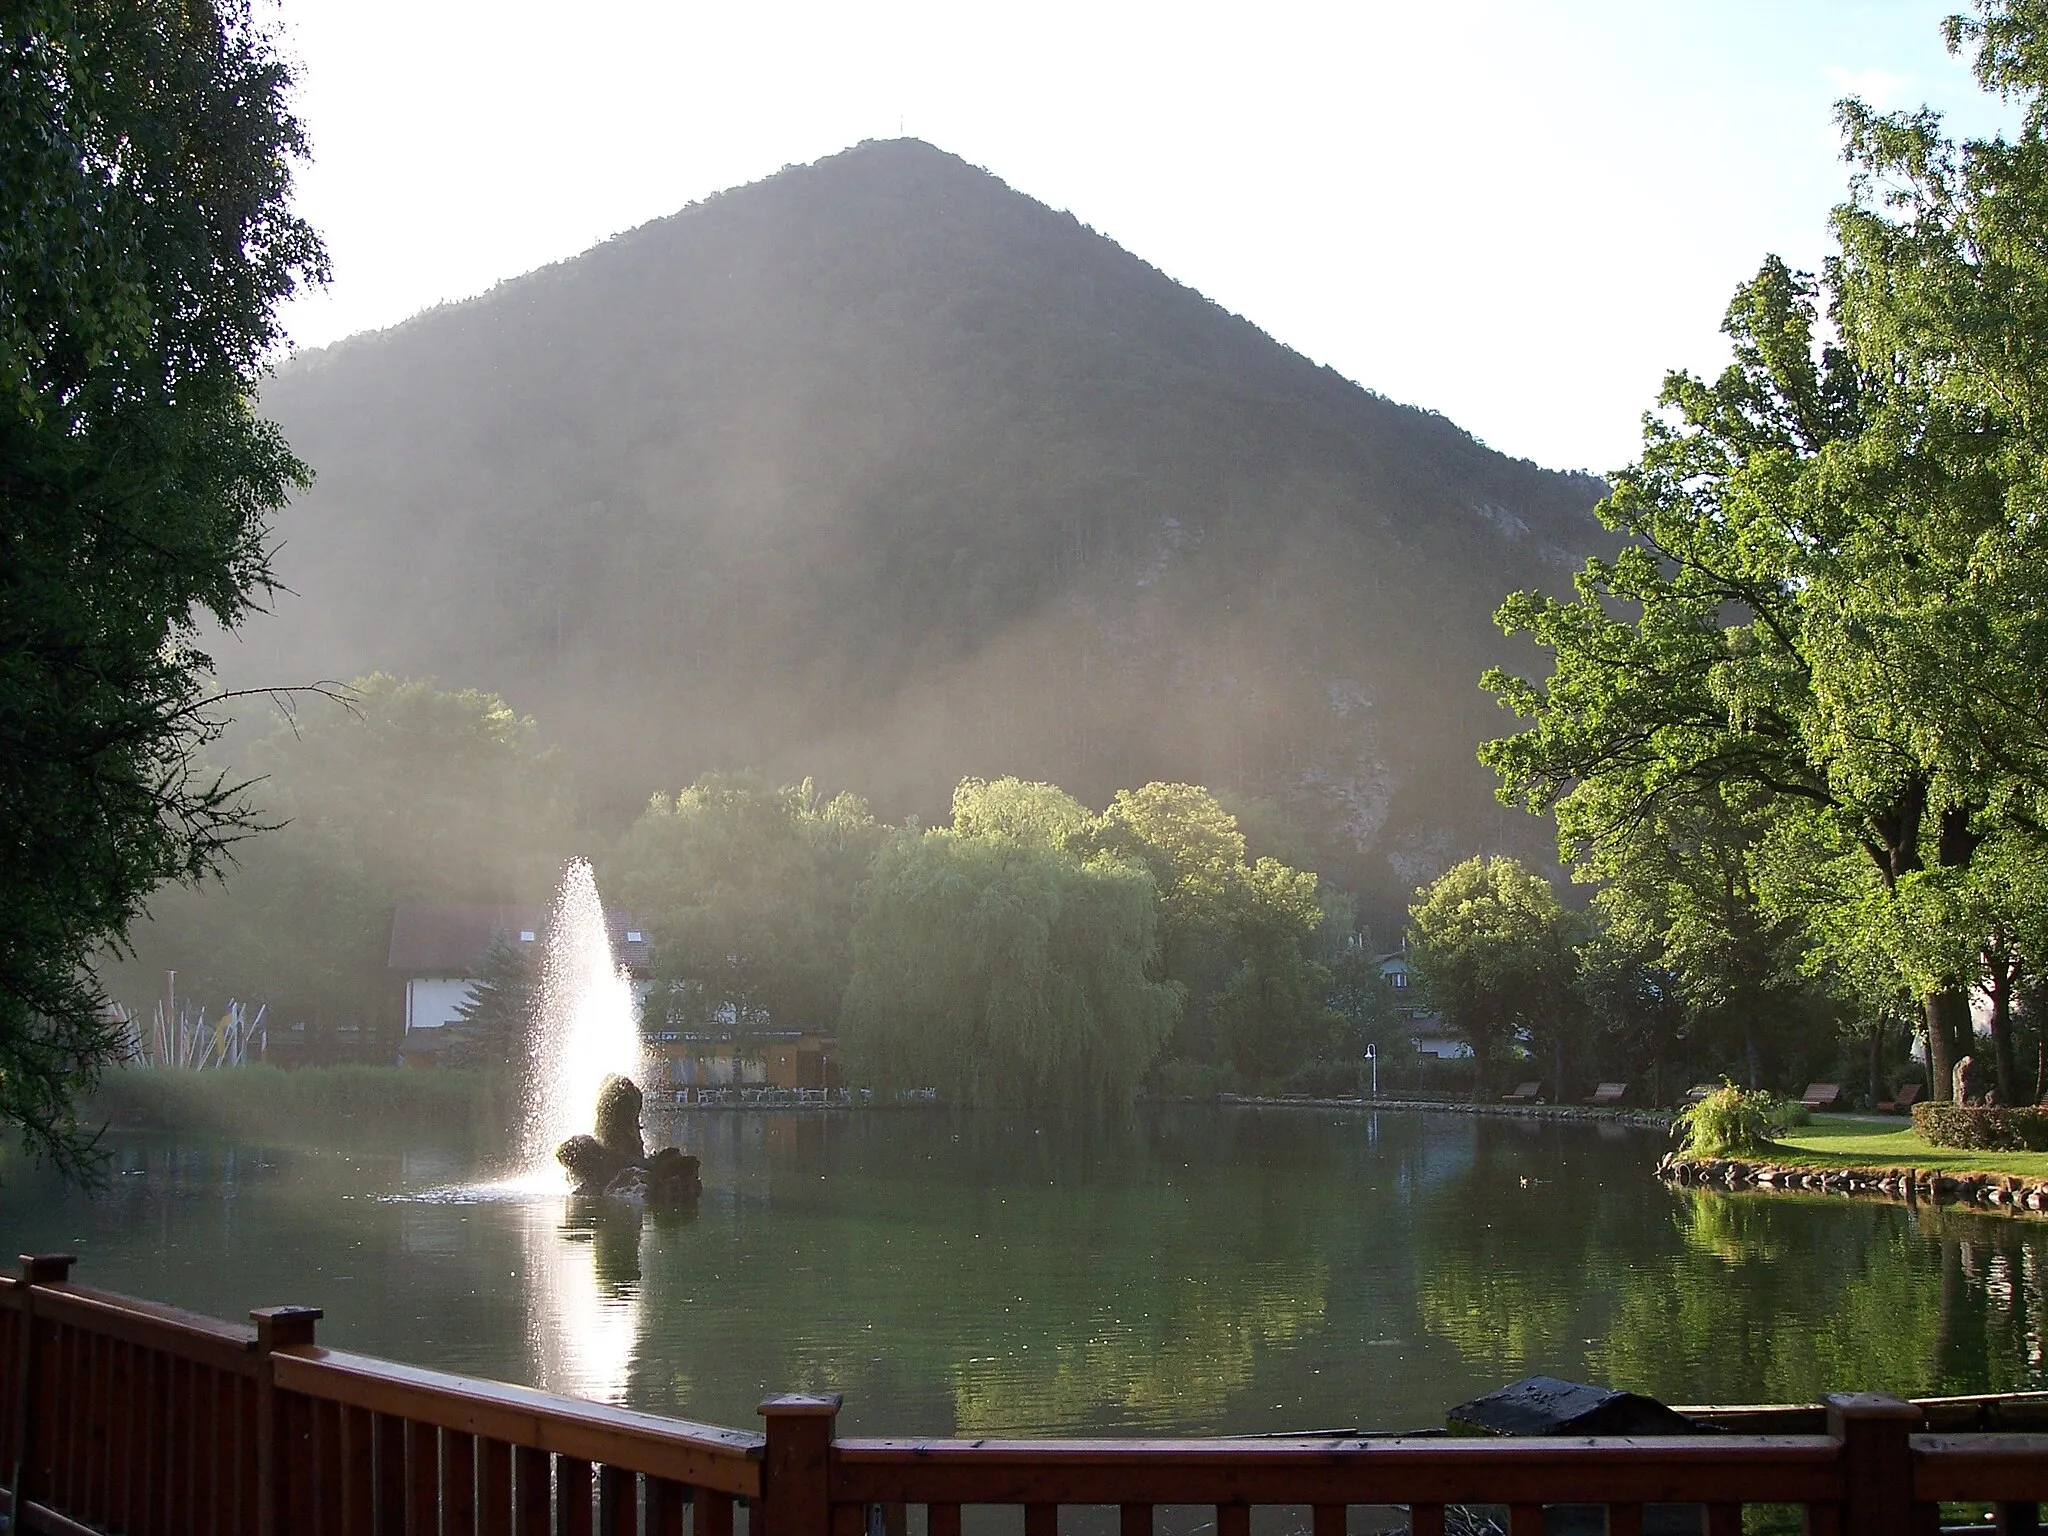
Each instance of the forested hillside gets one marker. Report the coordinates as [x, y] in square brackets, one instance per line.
[881, 472]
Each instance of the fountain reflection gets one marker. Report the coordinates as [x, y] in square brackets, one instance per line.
[583, 1295]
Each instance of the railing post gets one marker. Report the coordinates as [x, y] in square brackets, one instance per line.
[1877, 1461]
[796, 1469]
[276, 1328]
[36, 1269]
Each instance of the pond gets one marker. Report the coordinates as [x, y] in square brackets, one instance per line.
[1202, 1271]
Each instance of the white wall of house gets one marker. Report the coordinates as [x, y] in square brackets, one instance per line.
[434, 1001]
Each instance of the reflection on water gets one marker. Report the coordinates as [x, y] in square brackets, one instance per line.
[583, 1294]
[1198, 1271]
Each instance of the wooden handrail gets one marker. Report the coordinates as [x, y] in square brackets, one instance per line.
[180, 1334]
[1791, 1469]
[269, 1430]
[1990, 1468]
[702, 1455]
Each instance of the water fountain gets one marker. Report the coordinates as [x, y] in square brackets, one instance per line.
[588, 1027]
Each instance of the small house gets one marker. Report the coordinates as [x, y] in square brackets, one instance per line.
[439, 949]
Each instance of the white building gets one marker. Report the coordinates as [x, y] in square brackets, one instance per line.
[440, 950]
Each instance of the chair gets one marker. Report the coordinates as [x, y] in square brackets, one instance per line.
[1900, 1102]
[1821, 1095]
[1608, 1093]
[1525, 1094]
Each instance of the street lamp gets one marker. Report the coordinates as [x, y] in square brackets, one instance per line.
[1372, 1056]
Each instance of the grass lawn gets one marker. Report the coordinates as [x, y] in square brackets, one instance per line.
[1874, 1141]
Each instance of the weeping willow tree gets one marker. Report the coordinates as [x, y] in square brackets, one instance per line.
[1004, 968]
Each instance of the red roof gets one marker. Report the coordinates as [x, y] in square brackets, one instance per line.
[452, 938]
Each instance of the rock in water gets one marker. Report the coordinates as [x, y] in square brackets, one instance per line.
[618, 1118]
[615, 1163]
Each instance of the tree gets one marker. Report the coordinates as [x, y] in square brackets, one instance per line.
[1491, 948]
[1236, 937]
[749, 893]
[493, 1027]
[409, 793]
[1719, 655]
[1004, 971]
[146, 242]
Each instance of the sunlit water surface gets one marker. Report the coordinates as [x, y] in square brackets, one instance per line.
[1220, 1271]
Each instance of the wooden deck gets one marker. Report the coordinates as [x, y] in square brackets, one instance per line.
[128, 1417]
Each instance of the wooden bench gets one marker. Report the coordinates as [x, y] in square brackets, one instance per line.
[1608, 1093]
[1821, 1095]
[1699, 1091]
[1900, 1102]
[1527, 1093]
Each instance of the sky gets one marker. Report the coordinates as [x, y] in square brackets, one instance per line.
[1518, 213]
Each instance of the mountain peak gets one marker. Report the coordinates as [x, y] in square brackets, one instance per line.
[879, 470]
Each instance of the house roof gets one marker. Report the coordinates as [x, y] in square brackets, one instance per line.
[452, 938]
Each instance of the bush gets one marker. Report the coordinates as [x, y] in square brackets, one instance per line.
[1983, 1128]
[1730, 1120]
[347, 1103]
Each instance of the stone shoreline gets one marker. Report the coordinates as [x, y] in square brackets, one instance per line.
[1651, 1118]
[1983, 1191]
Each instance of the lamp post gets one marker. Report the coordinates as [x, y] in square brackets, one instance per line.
[1373, 1058]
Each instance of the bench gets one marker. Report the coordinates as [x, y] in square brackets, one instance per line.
[1821, 1095]
[1526, 1094]
[1699, 1091]
[1608, 1093]
[1900, 1102]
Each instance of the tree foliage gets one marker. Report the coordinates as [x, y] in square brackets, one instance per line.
[1004, 969]
[1492, 950]
[1829, 621]
[493, 1027]
[749, 895]
[405, 793]
[146, 242]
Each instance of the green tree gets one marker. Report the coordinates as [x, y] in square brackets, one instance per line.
[749, 893]
[407, 793]
[146, 242]
[1002, 969]
[493, 1027]
[1492, 950]
[1238, 938]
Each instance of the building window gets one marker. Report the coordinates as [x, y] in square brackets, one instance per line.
[1399, 980]
[633, 936]
[526, 935]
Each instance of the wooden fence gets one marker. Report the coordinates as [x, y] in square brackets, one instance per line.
[133, 1418]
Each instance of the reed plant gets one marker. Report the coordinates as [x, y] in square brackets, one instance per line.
[1731, 1121]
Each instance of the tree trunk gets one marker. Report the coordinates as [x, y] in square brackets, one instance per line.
[1941, 1009]
[2004, 1064]
[1557, 1056]
[1749, 1056]
[1877, 1093]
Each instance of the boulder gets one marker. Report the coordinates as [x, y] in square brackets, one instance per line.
[1544, 1405]
[615, 1163]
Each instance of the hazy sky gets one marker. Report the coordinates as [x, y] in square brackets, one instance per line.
[1519, 213]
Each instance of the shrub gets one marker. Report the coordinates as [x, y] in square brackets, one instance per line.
[1729, 1120]
[1983, 1128]
[313, 1104]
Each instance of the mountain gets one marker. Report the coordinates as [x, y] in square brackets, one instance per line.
[880, 471]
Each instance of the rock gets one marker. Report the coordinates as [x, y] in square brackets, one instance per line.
[618, 1118]
[614, 1162]
[1544, 1405]
[591, 1165]
[1970, 1083]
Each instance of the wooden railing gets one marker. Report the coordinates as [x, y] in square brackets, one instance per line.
[127, 1417]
